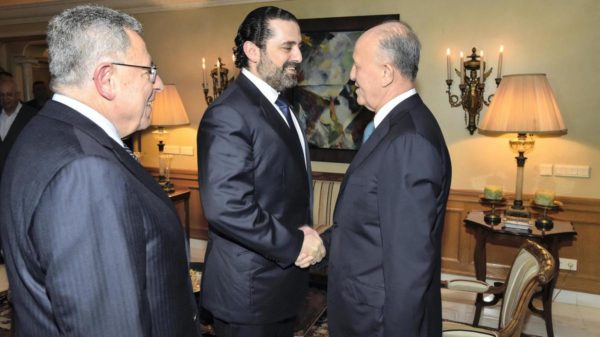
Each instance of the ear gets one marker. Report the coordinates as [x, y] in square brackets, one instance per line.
[387, 75]
[104, 81]
[252, 51]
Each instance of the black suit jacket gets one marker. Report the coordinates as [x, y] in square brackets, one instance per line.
[23, 117]
[254, 186]
[384, 256]
[93, 246]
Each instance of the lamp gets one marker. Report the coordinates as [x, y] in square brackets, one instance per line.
[167, 110]
[523, 104]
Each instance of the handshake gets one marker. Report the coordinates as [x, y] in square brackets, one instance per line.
[312, 250]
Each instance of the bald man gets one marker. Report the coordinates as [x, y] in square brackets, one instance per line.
[384, 262]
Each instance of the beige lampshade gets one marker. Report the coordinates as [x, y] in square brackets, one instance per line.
[167, 108]
[523, 104]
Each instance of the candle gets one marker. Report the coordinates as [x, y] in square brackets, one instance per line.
[500, 62]
[462, 68]
[448, 63]
[203, 71]
[219, 73]
[482, 67]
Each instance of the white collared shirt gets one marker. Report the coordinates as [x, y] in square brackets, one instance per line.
[387, 107]
[271, 95]
[6, 121]
[90, 114]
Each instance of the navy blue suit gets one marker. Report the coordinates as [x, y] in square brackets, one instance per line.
[93, 246]
[384, 254]
[255, 191]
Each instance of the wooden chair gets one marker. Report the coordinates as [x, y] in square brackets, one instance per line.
[532, 267]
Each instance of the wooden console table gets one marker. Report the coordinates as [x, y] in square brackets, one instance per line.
[550, 239]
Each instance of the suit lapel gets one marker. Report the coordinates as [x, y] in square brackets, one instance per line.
[377, 137]
[274, 119]
[64, 113]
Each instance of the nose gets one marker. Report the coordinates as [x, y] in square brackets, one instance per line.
[158, 84]
[353, 72]
[296, 54]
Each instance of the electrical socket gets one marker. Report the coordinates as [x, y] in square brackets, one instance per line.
[568, 264]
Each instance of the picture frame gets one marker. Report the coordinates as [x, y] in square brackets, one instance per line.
[324, 100]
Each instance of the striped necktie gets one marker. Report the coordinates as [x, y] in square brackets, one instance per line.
[283, 105]
[368, 131]
[130, 152]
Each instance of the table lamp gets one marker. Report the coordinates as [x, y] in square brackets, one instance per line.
[523, 104]
[167, 110]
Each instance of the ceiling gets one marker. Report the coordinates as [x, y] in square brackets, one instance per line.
[29, 11]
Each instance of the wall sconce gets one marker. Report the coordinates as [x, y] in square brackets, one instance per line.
[472, 76]
[219, 78]
[524, 104]
[167, 110]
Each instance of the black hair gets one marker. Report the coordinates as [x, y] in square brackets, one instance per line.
[255, 28]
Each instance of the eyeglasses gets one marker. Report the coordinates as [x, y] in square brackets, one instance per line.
[152, 69]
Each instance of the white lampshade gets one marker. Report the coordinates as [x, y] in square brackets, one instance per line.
[523, 104]
[168, 109]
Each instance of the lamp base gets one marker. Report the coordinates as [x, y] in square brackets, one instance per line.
[518, 212]
[166, 184]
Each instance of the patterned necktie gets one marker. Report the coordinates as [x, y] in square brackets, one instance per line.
[130, 152]
[283, 105]
[368, 131]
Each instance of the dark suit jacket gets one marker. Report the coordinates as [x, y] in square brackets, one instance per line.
[23, 117]
[93, 247]
[254, 188]
[384, 256]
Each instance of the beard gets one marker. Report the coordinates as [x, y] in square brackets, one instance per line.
[276, 77]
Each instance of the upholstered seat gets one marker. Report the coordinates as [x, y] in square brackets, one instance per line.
[532, 267]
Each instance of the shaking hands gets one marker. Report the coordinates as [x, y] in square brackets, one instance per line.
[312, 250]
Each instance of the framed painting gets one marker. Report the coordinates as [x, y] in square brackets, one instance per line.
[324, 99]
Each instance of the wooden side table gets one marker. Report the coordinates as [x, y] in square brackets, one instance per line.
[550, 239]
[182, 197]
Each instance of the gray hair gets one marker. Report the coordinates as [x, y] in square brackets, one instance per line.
[402, 45]
[80, 37]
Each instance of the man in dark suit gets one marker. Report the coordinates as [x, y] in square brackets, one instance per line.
[41, 95]
[384, 254]
[93, 246]
[254, 178]
[13, 116]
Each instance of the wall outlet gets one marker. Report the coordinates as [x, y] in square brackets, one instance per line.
[187, 150]
[568, 264]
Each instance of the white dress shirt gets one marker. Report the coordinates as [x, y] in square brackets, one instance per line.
[90, 114]
[6, 121]
[389, 106]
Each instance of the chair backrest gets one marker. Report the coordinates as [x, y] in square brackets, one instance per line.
[325, 194]
[532, 267]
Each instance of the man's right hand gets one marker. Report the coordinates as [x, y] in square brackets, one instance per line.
[312, 250]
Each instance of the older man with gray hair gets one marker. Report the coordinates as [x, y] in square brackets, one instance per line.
[93, 246]
[385, 256]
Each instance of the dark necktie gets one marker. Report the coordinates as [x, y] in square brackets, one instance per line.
[368, 131]
[130, 152]
[283, 105]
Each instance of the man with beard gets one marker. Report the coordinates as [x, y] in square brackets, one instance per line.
[255, 182]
